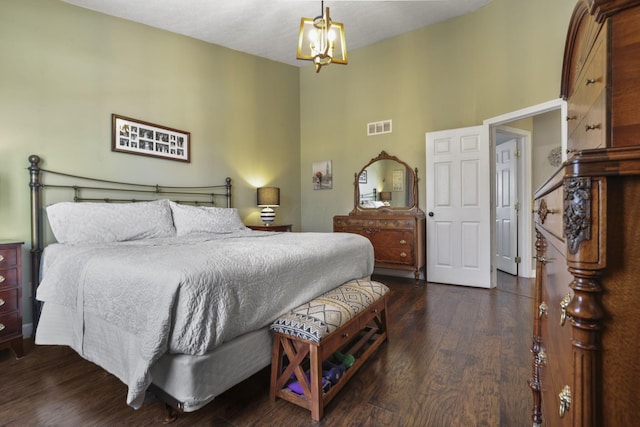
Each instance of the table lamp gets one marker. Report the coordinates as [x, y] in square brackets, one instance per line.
[268, 198]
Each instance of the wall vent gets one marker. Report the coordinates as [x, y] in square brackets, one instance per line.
[376, 128]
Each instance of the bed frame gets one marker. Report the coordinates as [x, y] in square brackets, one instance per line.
[86, 189]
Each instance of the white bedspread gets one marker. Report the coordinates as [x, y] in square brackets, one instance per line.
[192, 293]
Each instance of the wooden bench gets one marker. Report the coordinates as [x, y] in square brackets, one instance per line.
[351, 319]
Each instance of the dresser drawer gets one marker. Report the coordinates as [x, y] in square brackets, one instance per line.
[9, 257]
[591, 130]
[395, 255]
[8, 278]
[9, 324]
[549, 210]
[8, 301]
[396, 223]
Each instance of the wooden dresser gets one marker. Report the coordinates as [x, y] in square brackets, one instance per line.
[11, 296]
[398, 241]
[395, 226]
[586, 328]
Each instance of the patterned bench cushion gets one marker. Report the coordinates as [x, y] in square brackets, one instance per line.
[321, 316]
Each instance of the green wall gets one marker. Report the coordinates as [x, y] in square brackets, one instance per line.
[501, 58]
[64, 70]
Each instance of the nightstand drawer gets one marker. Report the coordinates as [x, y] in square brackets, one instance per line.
[9, 324]
[9, 278]
[8, 301]
[8, 257]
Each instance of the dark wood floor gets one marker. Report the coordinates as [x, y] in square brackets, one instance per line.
[457, 356]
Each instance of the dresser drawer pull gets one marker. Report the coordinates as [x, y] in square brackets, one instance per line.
[403, 255]
[403, 242]
[543, 211]
[1, 326]
[587, 128]
[1, 278]
[565, 400]
[542, 358]
[542, 309]
[543, 259]
[591, 82]
[1, 302]
[569, 118]
[345, 335]
[1, 258]
[563, 305]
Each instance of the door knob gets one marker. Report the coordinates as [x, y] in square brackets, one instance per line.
[430, 213]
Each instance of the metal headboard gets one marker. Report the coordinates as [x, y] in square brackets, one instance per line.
[86, 189]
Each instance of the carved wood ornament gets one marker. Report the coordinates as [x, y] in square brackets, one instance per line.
[577, 212]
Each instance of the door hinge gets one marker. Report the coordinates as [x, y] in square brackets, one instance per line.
[517, 206]
[518, 260]
[516, 153]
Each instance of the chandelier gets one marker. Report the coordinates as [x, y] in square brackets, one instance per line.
[321, 40]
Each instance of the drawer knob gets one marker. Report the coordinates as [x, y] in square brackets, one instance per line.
[375, 310]
[543, 211]
[565, 400]
[569, 118]
[587, 128]
[1, 302]
[403, 255]
[1, 258]
[542, 309]
[590, 82]
[1, 326]
[403, 242]
[1, 278]
[563, 306]
[542, 358]
[345, 335]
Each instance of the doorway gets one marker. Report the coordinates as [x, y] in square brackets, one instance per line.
[541, 132]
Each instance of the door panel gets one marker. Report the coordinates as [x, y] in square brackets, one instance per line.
[458, 206]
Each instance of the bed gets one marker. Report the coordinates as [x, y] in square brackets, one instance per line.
[171, 294]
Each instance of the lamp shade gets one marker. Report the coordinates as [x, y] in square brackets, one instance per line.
[268, 196]
[385, 196]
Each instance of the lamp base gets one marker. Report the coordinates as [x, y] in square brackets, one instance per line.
[267, 215]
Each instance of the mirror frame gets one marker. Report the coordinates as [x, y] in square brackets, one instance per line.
[412, 209]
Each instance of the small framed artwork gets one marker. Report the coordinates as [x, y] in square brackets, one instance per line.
[398, 180]
[322, 175]
[362, 179]
[147, 139]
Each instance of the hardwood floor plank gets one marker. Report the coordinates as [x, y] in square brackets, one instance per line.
[456, 356]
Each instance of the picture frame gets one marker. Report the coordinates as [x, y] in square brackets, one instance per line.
[362, 179]
[398, 180]
[148, 139]
[322, 175]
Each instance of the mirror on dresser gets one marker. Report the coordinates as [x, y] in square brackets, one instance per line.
[386, 212]
[386, 185]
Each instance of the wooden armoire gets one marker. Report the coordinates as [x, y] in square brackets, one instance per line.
[586, 326]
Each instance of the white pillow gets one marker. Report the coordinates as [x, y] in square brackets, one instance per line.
[203, 219]
[110, 222]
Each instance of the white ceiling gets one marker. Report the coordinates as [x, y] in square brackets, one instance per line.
[269, 28]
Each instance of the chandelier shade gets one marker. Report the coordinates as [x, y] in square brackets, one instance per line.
[322, 41]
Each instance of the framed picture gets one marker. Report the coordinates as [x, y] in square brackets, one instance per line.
[147, 139]
[322, 175]
[398, 180]
[362, 179]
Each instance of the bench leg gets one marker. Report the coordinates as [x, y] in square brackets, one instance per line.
[315, 368]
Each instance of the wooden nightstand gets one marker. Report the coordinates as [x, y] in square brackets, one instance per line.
[272, 227]
[11, 296]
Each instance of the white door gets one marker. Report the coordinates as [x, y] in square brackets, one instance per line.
[506, 205]
[459, 207]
